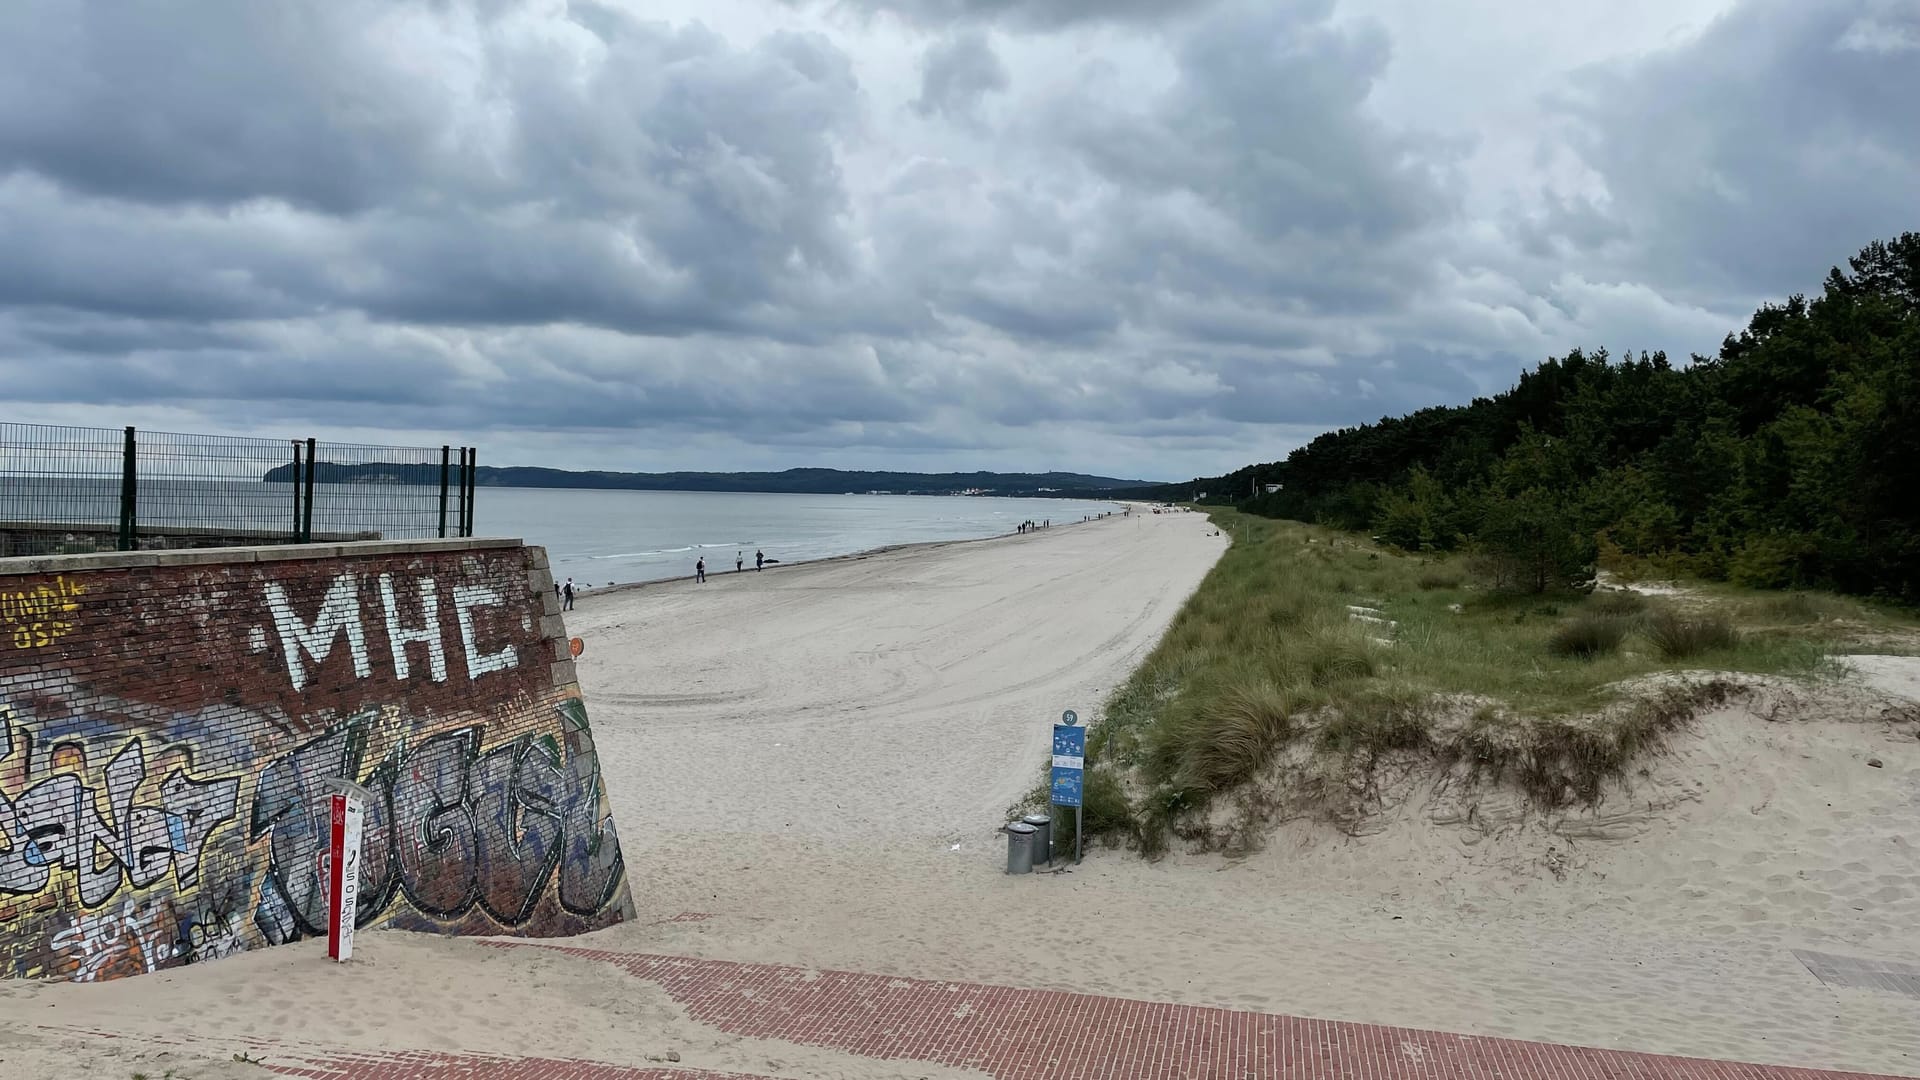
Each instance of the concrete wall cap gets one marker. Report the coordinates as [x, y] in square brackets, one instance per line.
[117, 560]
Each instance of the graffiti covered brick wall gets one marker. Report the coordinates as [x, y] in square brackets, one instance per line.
[170, 723]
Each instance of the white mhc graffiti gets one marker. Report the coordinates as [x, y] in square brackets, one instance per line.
[301, 640]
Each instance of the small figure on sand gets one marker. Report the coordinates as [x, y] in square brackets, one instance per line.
[566, 593]
[739, 561]
[700, 571]
[759, 560]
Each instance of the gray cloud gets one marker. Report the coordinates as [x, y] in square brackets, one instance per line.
[956, 74]
[289, 159]
[1040, 14]
[1183, 236]
[1267, 123]
[1748, 160]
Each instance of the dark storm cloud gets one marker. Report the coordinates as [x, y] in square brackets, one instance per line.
[1779, 142]
[1248, 201]
[1267, 123]
[956, 73]
[245, 160]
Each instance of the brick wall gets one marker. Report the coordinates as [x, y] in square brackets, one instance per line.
[169, 723]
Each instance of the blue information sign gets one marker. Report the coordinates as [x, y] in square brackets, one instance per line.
[1069, 763]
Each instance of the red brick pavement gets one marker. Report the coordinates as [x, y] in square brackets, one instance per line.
[1027, 1035]
[1015, 1034]
[429, 1066]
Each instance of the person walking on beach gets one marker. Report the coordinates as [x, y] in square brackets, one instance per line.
[700, 571]
[739, 561]
[759, 560]
[567, 595]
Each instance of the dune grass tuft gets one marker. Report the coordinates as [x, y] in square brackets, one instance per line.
[1618, 602]
[1678, 636]
[1588, 636]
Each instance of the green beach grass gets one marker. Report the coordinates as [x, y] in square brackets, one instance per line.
[1337, 655]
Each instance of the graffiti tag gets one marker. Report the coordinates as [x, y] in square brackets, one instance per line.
[339, 615]
[450, 825]
[108, 945]
[36, 618]
[59, 824]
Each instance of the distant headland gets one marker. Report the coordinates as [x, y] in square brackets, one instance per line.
[791, 481]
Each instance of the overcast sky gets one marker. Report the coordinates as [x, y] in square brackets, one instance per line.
[1149, 238]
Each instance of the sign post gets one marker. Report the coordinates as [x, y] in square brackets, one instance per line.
[348, 814]
[1068, 780]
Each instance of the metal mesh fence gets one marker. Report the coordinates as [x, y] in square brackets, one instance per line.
[390, 490]
[65, 489]
[58, 487]
[212, 486]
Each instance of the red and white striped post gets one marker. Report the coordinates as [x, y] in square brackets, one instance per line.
[349, 811]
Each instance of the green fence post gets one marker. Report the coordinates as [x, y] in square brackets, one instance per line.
[313, 466]
[129, 489]
[473, 455]
[295, 533]
[446, 455]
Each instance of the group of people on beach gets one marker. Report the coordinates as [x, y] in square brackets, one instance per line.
[565, 592]
[739, 565]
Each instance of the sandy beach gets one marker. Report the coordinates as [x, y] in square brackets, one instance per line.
[902, 699]
[808, 766]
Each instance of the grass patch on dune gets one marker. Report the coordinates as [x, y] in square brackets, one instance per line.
[1331, 654]
[1588, 636]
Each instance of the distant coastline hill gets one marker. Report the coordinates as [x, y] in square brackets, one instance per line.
[792, 481]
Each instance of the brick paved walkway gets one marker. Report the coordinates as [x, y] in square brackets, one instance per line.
[423, 1066]
[1050, 1035]
[1014, 1034]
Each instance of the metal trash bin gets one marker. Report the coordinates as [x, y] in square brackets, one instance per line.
[1020, 848]
[1042, 838]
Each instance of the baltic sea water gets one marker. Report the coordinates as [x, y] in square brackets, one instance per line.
[603, 537]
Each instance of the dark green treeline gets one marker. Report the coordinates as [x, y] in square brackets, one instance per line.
[1789, 459]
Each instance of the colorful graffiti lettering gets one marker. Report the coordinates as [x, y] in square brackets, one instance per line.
[36, 618]
[451, 827]
[108, 945]
[210, 938]
[58, 823]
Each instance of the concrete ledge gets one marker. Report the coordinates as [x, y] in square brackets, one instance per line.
[120, 560]
[298, 552]
[183, 557]
[427, 547]
[68, 564]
